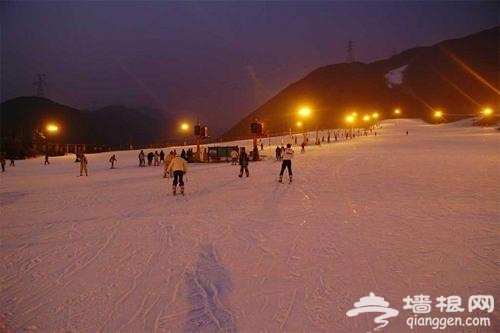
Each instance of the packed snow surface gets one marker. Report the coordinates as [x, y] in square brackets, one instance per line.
[395, 215]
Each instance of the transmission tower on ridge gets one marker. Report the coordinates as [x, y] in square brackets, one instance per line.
[40, 83]
[350, 51]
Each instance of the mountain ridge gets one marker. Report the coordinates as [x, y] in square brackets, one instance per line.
[436, 77]
[23, 121]
[458, 76]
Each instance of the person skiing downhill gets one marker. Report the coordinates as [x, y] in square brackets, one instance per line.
[83, 164]
[243, 162]
[179, 166]
[142, 159]
[234, 156]
[156, 158]
[286, 156]
[168, 159]
[112, 160]
[150, 157]
[278, 153]
[2, 161]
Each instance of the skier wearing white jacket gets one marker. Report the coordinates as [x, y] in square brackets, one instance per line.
[179, 166]
[286, 156]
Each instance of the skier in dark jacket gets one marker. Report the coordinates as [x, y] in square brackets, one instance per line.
[189, 155]
[150, 157]
[112, 160]
[2, 161]
[243, 162]
[286, 156]
[278, 153]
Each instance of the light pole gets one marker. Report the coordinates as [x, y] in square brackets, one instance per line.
[375, 116]
[51, 129]
[184, 129]
[366, 119]
[350, 121]
[487, 112]
[256, 128]
[299, 127]
[438, 115]
[303, 113]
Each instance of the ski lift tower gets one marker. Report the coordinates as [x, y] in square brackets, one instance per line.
[200, 132]
[256, 128]
[40, 83]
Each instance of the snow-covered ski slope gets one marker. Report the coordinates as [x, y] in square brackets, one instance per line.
[394, 214]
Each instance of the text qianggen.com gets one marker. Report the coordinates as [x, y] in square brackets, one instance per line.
[442, 323]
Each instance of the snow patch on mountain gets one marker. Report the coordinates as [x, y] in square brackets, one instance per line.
[395, 76]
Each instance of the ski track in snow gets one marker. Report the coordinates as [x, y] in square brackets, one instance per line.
[393, 214]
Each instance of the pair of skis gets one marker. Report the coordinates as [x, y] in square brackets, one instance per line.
[280, 180]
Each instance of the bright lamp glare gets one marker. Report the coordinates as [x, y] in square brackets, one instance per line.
[52, 128]
[438, 114]
[487, 112]
[305, 112]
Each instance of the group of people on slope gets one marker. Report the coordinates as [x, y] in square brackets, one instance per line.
[176, 166]
[154, 159]
[80, 158]
[282, 154]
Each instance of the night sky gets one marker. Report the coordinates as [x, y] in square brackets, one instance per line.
[216, 61]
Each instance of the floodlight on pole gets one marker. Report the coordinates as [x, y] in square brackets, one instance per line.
[304, 112]
[184, 129]
[487, 112]
[52, 128]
